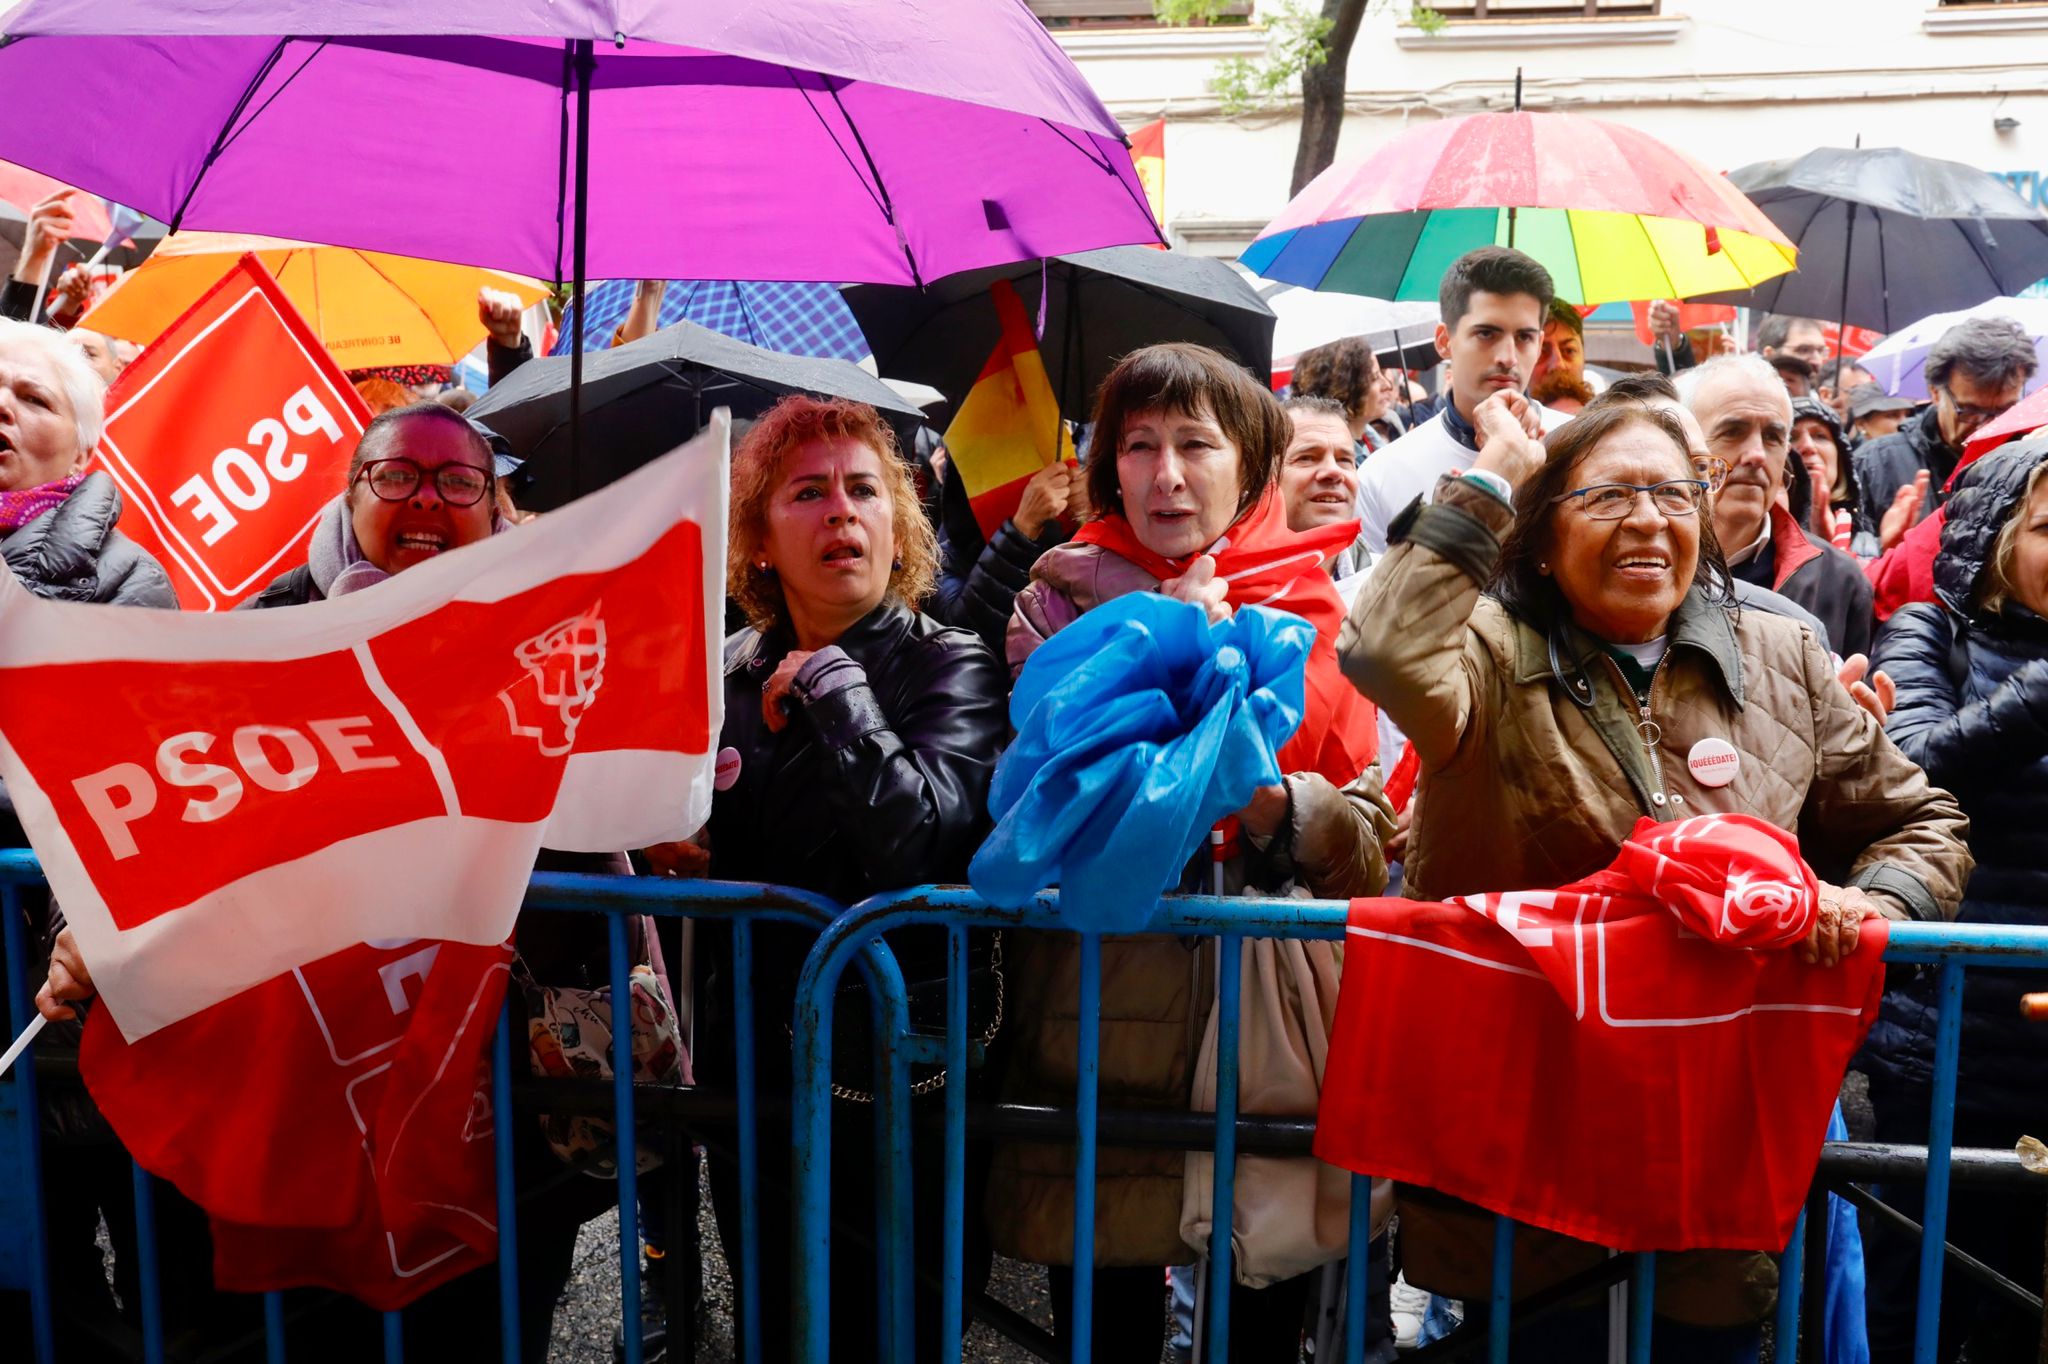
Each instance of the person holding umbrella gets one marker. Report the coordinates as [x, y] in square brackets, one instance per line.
[1495, 302]
[1976, 371]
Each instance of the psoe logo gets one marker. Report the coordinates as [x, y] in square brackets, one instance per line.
[564, 667]
[1777, 905]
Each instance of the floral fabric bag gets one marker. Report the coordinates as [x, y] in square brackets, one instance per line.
[569, 1034]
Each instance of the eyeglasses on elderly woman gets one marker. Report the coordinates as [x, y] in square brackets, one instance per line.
[394, 480]
[1613, 501]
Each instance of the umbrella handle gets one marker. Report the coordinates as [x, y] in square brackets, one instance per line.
[42, 288]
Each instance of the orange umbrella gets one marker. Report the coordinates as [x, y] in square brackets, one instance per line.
[368, 308]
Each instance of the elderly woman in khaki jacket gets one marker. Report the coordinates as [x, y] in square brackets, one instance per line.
[1556, 634]
[1187, 445]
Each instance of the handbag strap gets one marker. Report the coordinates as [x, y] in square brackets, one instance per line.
[931, 1084]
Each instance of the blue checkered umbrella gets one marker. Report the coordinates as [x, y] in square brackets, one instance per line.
[792, 319]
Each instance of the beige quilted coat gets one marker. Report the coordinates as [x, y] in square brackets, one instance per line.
[1534, 771]
[1157, 992]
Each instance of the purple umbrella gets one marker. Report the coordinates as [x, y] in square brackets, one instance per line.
[728, 139]
[890, 142]
[725, 139]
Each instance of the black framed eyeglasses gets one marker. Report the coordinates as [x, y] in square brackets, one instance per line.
[1969, 413]
[394, 480]
[1613, 501]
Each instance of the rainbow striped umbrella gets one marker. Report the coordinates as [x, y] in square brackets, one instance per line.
[1614, 214]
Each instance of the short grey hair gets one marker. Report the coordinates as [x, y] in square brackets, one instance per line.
[1314, 404]
[82, 385]
[1993, 351]
[1747, 363]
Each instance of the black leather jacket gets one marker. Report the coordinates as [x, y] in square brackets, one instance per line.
[877, 786]
[881, 785]
[1973, 711]
[979, 579]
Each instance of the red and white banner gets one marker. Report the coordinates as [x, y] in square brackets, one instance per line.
[335, 1123]
[1639, 1059]
[226, 437]
[222, 799]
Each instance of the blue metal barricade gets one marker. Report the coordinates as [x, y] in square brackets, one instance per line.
[1952, 949]
[852, 935]
[615, 897]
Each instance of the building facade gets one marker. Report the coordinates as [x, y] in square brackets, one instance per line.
[1728, 81]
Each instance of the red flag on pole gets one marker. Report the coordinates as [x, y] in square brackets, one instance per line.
[292, 844]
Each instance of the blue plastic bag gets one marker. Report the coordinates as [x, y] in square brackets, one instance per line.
[1138, 727]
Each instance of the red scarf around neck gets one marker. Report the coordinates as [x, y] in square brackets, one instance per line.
[1263, 563]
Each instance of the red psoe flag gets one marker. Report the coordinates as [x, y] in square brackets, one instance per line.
[226, 437]
[1639, 1059]
[292, 845]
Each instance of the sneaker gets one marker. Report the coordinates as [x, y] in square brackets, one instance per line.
[1408, 1306]
[653, 1320]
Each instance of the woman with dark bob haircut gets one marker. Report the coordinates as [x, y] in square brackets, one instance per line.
[1181, 475]
[1553, 711]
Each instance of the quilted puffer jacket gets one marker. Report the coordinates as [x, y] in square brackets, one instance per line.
[1534, 772]
[1973, 711]
[73, 553]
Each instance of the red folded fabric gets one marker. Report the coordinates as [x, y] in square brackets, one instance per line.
[1639, 1059]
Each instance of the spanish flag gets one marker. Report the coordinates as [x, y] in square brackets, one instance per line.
[1148, 155]
[1008, 427]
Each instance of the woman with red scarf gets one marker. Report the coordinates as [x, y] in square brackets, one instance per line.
[1182, 474]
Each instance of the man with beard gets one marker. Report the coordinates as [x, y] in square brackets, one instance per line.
[1747, 416]
[1975, 371]
[1494, 302]
[1559, 380]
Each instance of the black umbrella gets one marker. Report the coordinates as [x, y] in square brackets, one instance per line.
[1103, 305]
[643, 399]
[1887, 237]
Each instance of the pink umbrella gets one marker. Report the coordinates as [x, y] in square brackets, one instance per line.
[24, 189]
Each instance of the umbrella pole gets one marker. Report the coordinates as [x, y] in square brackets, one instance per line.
[584, 64]
[1842, 318]
[1518, 109]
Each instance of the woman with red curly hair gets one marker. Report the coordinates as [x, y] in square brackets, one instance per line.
[859, 742]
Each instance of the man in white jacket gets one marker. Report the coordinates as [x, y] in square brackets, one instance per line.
[1494, 301]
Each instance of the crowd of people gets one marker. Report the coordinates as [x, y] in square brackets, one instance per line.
[1553, 595]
